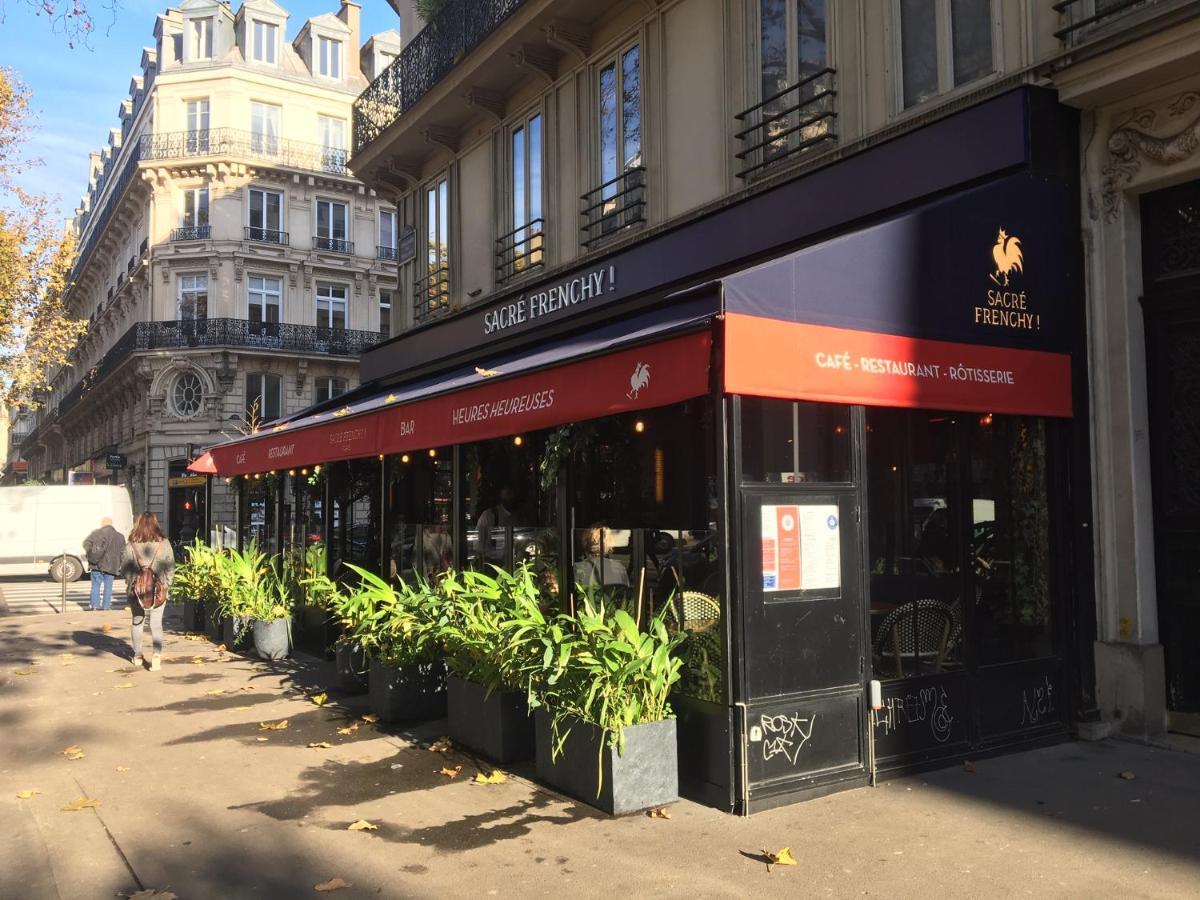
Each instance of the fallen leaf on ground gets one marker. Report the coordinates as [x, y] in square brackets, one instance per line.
[239, 708]
[441, 745]
[106, 627]
[319, 699]
[246, 687]
[659, 812]
[73, 752]
[273, 726]
[362, 825]
[320, 745]
[110, 671]
[261, 740]
[122, 768]
[26, 795]
[370, 718]
[969, 766]
[194, 637]
[349, 729]
[68, 662]
[197, 660]
[124, 684]
[1127, 775]
[782, 858]
[80, 803]
[150, 894]
[333, 884]
[449, 773]
[23, 671]
[215, 692]
[493, 777]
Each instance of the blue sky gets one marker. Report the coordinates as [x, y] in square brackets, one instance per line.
[76, 92]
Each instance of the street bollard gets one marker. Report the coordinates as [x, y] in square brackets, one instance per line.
[62, 607]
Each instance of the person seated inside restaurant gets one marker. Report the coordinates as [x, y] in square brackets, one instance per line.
[598, 568]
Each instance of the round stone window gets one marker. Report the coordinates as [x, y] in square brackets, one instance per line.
[187, 394]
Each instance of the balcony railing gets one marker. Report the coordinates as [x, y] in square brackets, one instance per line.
[96, 221]
[431, 296]
[266, 235]
[191, 233]
[234, 142]
[520, 251]
[459, 28]
[788, 122]
[389, 253]
[1082, 14]
[240, 333]
[333, 245]
[617, 204]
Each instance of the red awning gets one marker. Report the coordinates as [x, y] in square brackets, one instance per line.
[203, 465]
[642, 377]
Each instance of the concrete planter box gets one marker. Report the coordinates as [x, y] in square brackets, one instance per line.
[406, 693]
[496, 726]
[645, 776]
[193, 615]
[272, 640]
[351, 661]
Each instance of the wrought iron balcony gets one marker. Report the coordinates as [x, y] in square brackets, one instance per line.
[96, 221]
[617, 204]
[459, 28]
[237, 333]
[520, 251]
[234, 142]
[191, 233]
[266, 235]
[431, 296]
[333, 245]
[789, 122]
[389, 253]
[1081, 15]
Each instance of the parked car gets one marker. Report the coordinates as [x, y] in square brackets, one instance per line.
[42, 527]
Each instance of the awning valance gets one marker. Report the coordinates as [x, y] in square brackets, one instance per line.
[619, 367]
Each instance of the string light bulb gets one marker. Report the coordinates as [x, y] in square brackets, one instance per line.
[432, 453]
[639, 426]
[404, 458]
[518, 440]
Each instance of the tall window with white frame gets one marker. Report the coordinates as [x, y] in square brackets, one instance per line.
[432, 291]
[385, 313]
[331, 305]
[264, 397]
[194, 224]
[329, 58]
[193, 297]
[521, 247]
[620, 200]
[265, 301]
[795, 108]
[943, 44]
[200, 39]
[197, 126]
[333, 144]
[264, 128]
[332, 226]
[387, 234]
[265, 223]
[265, 37]
[327, 387]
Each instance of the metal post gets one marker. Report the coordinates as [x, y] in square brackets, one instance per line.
[62, 608]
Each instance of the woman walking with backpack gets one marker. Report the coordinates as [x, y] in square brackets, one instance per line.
[148, 565]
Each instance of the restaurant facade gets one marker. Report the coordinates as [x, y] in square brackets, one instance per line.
[837, 429]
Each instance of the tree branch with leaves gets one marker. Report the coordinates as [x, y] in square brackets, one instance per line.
[73, 19]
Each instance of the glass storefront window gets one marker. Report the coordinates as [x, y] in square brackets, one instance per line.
[418, 535]
[794, 441]
[355, 494]
[257, 513]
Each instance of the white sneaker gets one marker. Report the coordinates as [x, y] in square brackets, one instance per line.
[156, 663]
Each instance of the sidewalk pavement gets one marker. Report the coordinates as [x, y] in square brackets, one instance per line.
[195, 797]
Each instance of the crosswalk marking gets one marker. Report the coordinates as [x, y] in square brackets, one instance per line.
[37, 596]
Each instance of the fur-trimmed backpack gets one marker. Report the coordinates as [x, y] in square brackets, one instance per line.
[148, 589]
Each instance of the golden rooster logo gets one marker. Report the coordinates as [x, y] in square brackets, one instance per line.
[1007, 254]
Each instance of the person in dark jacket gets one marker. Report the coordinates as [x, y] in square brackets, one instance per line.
[103, 548]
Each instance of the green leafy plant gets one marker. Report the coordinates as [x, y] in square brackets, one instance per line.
[398, 625]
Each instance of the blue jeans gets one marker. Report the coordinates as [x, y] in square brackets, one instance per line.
[101, 578]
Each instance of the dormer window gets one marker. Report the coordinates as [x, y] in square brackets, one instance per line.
[265, 38]
[329, 58]
[202, 38]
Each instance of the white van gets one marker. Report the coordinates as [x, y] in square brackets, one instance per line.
[42, 527]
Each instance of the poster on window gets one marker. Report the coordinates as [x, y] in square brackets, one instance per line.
[801, 547]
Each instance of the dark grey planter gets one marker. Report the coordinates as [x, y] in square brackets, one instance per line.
[193, 615]
[272, 640]
[214, 626]
[646, 775]
[497, 726]
[407, 693]
[351, 662]
[233, 631]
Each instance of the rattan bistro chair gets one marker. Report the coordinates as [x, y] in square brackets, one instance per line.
[926, 630]
[694, 611]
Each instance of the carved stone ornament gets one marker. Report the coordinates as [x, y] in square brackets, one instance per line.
[1131, 143]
